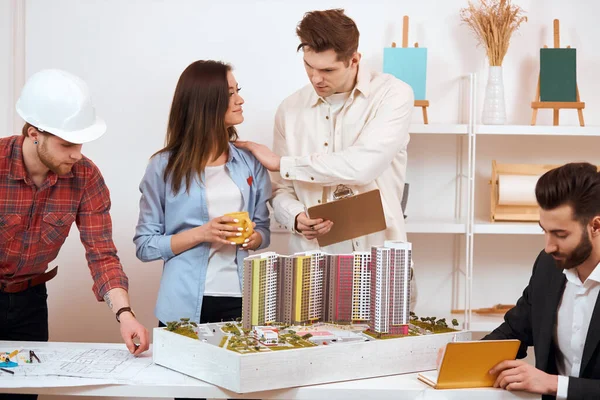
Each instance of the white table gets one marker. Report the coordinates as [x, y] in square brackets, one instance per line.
[159, 382]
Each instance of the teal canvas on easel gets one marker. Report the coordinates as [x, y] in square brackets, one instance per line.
[558, 75]
[409, 64]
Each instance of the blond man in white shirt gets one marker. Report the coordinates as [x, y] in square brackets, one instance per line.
[349, 127]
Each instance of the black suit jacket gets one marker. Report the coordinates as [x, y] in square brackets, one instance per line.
[533, 319]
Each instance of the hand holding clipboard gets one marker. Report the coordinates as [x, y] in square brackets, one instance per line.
[311, 228]
[352, 215]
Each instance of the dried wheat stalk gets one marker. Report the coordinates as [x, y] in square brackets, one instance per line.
[493, 22]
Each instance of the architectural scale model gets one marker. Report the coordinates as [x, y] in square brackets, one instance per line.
[305, 288]
[332, 306]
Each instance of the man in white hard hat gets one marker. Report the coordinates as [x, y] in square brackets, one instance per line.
[46, 184]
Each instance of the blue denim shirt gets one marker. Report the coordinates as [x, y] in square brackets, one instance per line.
[164, 213]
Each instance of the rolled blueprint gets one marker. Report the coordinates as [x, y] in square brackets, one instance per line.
[518, 190]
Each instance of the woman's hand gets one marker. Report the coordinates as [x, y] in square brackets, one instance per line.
[216, 230]
[254, 241]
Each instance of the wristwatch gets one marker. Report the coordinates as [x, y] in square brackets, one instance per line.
[122, 310]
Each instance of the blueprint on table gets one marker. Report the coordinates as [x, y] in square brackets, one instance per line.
[100, 365]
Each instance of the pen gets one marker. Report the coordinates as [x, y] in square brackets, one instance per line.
[8, 370]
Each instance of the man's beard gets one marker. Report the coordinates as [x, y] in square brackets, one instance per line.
[50, 162]
[578, 256]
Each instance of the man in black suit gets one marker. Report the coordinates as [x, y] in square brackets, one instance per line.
[558, 312]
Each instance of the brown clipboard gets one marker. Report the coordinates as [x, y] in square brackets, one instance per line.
[352, 217]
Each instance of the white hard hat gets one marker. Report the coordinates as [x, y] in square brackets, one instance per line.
[59, 102]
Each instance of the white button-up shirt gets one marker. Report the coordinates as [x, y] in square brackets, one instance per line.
[364, 149]
[573, 320]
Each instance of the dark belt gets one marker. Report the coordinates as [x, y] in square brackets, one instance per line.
[36, 280]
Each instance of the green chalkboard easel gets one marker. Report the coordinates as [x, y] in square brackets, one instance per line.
[557, 82]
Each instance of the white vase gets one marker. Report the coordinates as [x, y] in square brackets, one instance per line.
[494, 111]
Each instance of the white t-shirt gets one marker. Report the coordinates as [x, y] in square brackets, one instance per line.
[222, 196]
[336, 101]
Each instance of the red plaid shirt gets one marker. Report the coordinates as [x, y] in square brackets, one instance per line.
[34, 222]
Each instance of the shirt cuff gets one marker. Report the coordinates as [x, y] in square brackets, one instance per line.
[164, 246]
[287, 167]
[291, 225]
[562, 389]
[264, 242]
[118, 282]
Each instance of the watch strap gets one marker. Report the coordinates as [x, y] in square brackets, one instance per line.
[122, 310]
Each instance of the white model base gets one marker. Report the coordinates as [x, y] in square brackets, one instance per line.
[244, 373]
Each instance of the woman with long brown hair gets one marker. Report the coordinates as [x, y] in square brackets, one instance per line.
[188, 187]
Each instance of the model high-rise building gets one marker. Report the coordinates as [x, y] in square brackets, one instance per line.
[314, 286]
[285, 289]
[338, 288]
[307, 292]
[390, 288]
[260, 290]
[315, 302]
[361, 285]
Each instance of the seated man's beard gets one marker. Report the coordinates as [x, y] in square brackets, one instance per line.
[578, 256]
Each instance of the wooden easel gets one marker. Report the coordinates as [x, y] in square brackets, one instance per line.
[418, 103]
[556, 105]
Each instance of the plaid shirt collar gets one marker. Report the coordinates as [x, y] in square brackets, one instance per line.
[17, 165]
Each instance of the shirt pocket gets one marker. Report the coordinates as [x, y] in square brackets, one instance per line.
[9, 225]
[55, 227]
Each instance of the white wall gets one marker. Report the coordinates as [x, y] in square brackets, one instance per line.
[131, 52]
[6, 52]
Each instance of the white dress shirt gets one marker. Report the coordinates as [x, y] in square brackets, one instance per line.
[572, 323]
[363, 147]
